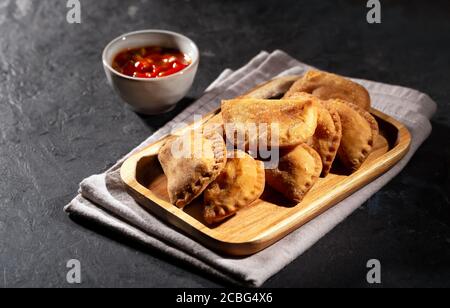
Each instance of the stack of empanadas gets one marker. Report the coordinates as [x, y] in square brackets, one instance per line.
[311, 122]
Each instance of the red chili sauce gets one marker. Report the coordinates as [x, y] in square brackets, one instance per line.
[151, 62]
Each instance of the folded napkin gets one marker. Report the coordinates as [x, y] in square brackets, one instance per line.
[104, 200]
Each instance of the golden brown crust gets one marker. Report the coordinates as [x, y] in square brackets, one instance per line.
[359, 132]
[328, 144]
[240, 183]
[271, 89]
[297, 172]
[191, 170]
[312, 131]
[327, 137]
[294, 121]
[330, 86]
[215, 124]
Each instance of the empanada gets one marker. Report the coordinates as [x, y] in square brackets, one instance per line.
[239, 184]
[327, 138]
[214, 124]
[359, 132]
[286, 122]
[191, 162]
[298, 170]
[275, 88]
[330, 86]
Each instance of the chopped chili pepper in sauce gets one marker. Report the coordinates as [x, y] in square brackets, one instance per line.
[151, 62]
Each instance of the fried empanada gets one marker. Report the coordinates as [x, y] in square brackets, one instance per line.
[286, 122]
[359, 132]
[298, 170]
[214, 124]
[275, 88]
[191, 162]
[330, 86]
[239, 184]
[327, 138]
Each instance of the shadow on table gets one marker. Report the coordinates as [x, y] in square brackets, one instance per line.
[428, 175]
[154, 122]
[406, 225]
[425, 184]
[129, 242]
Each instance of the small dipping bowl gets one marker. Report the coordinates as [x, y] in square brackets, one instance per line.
[151, 95]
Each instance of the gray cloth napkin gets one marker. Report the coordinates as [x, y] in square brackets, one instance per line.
[104, 200]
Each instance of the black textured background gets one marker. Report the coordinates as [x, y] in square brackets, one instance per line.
[60, 122]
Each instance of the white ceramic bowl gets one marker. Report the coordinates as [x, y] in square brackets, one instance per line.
[151, 95]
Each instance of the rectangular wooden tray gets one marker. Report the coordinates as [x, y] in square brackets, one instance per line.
[269, 219]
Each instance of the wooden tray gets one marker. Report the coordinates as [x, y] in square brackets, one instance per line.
[271, 218]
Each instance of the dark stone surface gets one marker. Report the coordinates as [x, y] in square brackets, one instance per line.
[60, 122]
